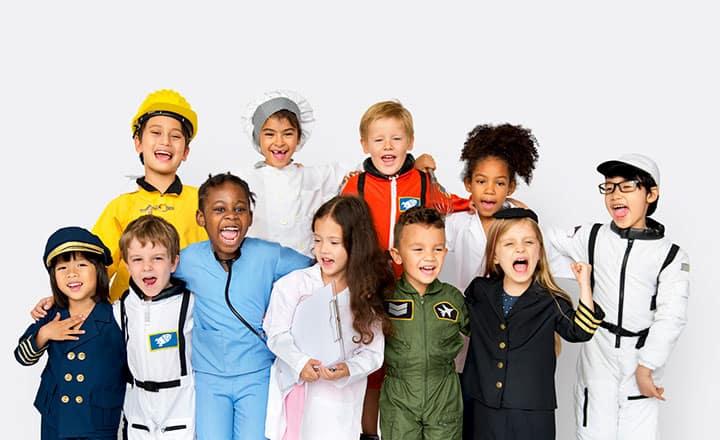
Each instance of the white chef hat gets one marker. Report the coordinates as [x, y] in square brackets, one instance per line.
[271, 102]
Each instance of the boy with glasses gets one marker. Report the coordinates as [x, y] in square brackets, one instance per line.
[641, 280]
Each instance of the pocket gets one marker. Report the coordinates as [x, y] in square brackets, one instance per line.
[208, 347]
[177, 428]
[44, 396]
[106, 405]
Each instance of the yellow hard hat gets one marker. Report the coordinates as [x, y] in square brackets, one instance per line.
[166, 102]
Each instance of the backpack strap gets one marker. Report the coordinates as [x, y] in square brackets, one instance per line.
[181, 331]
[668, 259]
[361, 185]
[591, 251]
[423, 187]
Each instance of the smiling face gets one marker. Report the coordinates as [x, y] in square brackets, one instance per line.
[150, 266]
[163, 145]
[517, 252]
[329, 250]
[278, 141]
[629, 209]
[421, 252]
[226, 216]
[387, 142]
[489, 186]
[76, 278]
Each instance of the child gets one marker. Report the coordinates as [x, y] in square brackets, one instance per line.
[162, 130]
[231, 277]
[279, 124]
[330, 399]
[391, 184]
[155, 315]
[495, 157]
[83, 383]
[642, 281]
[515, 311]
[421, 397]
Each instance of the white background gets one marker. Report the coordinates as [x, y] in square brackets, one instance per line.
[591, 80]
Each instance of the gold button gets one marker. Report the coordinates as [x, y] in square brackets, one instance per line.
[502, 345]
[503, 326]
[64, 399]
[71, 356]
[499, 365]
[80, 377]
[78, 400]
[498, 384]
[68, 377]
[81, 356]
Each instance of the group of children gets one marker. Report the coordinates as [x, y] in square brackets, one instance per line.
[199, 342]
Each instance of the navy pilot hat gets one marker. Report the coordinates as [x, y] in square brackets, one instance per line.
[75, 239]
[508, 213]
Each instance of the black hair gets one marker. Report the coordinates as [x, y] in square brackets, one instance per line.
[630, 172]
[418, 215]
[102, 281]
[219, 180]
[288, 116]
[184, 125]
[513, 144]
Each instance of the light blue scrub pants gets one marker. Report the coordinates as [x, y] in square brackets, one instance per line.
[231, 407]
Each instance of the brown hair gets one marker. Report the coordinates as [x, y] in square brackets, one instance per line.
[150, 229]
[542, 273]
[386, 109]
[368, 271]
[289, 116]
[102, 282]
[418, 215]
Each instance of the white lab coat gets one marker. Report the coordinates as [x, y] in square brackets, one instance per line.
[608, 402]
[333, 409]
[287, 199]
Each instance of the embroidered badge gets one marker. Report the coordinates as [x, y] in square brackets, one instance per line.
[399, 309]
[685, 267]
[159, 341]
[408, 202]
[446, 311]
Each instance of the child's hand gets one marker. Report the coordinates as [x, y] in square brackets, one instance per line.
[335, 372]
[643, 376]
[582, 273]
[517, 203]
[309, 372]
[425, 162]
[41, 308]
[57, 330]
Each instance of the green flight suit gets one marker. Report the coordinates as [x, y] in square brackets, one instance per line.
[421, 398]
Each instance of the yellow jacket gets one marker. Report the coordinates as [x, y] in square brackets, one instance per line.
[178, 205]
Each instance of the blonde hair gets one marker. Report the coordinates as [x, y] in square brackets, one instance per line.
[386, 109]
[542, 273]
[153, 229]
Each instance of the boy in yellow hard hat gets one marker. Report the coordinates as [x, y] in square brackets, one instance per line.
[162, 130]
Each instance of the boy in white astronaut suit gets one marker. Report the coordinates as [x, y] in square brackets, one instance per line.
[155, 314]
[641, 279]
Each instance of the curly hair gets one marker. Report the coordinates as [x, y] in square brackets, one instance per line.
[368, 271]
[513, 144]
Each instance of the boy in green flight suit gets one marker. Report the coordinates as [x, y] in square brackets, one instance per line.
[421, 397]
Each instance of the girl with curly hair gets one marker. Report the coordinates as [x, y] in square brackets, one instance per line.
[325, 401]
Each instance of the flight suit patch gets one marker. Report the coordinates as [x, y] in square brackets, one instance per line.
[446, 311]
[408, 202]
[399, 309]
[160, 341]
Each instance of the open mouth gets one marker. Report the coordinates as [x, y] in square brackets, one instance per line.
[388, 159]
[279, 154]
[620, 211]
[428, 269]
[163, 155]
[488, 205]
[149, 281]
[74, 286]
[520, 265]
[230, 234]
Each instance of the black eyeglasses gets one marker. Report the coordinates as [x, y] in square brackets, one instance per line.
[624, 187]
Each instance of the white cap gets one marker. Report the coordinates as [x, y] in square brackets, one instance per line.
[271, 102]
[636, 160]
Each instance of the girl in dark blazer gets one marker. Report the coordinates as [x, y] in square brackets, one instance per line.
[83, 384]
[515, 310]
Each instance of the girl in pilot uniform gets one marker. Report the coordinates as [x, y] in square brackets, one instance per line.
[83, 384]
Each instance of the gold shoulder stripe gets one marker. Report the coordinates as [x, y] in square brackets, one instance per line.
[584, 319]
[583, 326]
[585, 311]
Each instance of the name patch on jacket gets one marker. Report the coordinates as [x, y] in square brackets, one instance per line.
[159, 341]
[408, 202]
[446, 311]
[399, 309]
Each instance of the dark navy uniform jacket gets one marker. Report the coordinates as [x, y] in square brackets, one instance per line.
[83, 384]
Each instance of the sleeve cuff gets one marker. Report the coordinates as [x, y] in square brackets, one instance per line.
[587, 320]
[27, 352]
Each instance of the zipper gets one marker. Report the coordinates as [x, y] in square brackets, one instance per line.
[425, 347]
[621, 299]
[393, 210]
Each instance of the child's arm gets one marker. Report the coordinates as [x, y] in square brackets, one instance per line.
[365, 359]
[564, 247]
[579, 325]
[670, 318]
[34, 342]
[290, 260]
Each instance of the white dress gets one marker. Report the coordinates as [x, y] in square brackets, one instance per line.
[333, 409]
[287, 199]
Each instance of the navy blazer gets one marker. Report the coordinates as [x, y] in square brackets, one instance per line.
[83, 384]
[511, 361]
